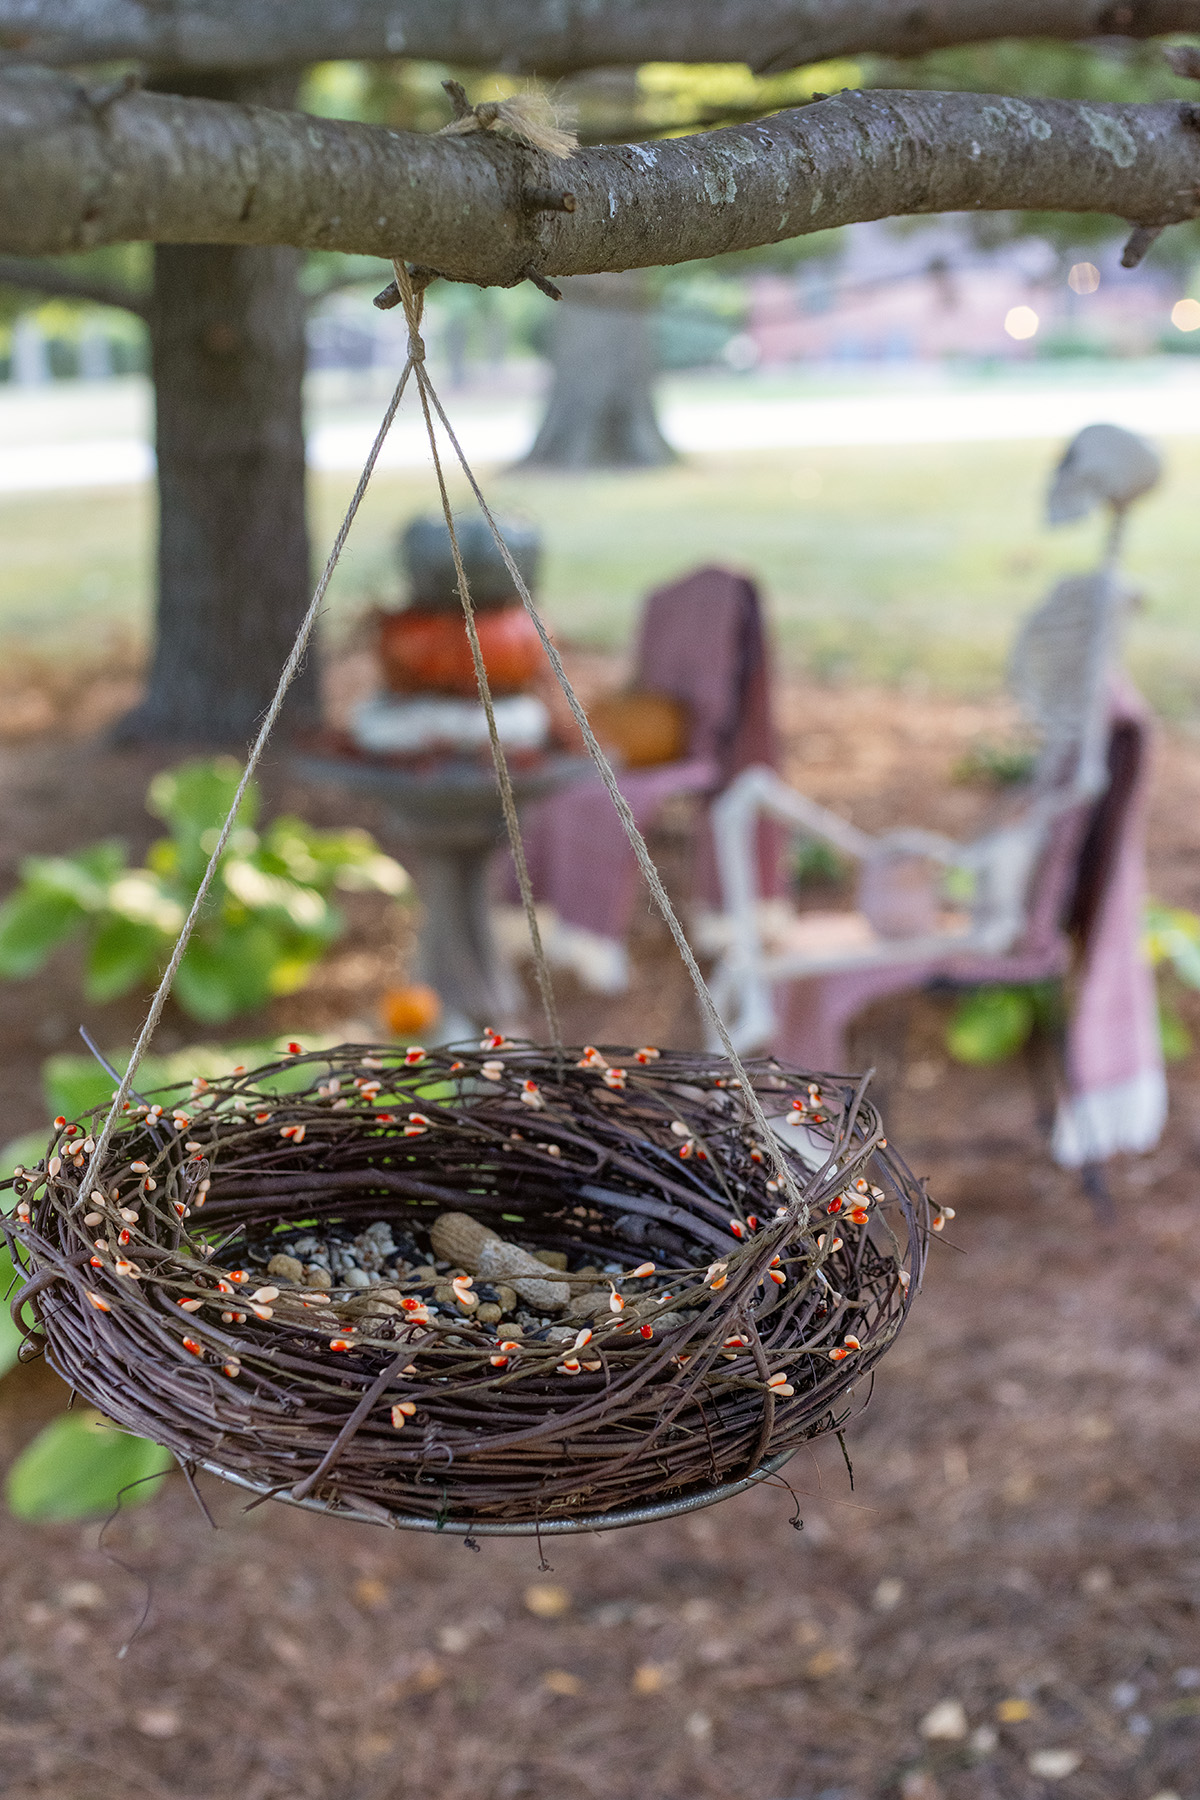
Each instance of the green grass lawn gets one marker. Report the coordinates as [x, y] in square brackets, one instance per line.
[886, 564]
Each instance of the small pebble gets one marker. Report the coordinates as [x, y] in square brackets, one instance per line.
[945, 1723]
[444, 1294]
[355, 1278]
[1054, 1765]
[317, 1277]
[554, 1259]
[489, 1314]
[507, 1298]
[286, 1268]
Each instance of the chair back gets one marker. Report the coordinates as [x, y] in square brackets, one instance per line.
[702, 642]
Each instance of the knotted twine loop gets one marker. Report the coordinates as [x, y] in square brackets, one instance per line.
[425, 388]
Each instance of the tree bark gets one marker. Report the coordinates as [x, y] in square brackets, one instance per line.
[76, 172]
[227, 347]
[600, 414]
[550, 37]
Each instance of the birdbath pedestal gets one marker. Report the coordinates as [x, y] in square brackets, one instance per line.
[445, 823]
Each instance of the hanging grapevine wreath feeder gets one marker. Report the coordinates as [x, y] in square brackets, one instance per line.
[493, 1289]
[513, 1289]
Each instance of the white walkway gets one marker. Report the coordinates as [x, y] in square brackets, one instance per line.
[45, 441]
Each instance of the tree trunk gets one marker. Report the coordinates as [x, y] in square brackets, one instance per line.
[227, 341]
[601, 409]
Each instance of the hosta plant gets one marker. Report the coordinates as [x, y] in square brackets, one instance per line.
[268, 919]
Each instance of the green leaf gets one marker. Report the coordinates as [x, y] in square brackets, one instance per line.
[11, 1338]
[121, 954]
[227, 972]
[1175, 1037]
[84, 877]
[73, 1085]
[990, 1024]
[32, 923]
[196, 796]
[78, 1466]
[27, 1150]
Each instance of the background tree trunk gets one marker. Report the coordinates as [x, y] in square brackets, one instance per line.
[601, 409]
[228, 353]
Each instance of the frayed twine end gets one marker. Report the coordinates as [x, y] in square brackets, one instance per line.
[524, 118]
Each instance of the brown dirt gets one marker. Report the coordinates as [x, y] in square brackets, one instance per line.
[1022, 1537]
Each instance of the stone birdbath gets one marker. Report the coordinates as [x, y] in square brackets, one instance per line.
[445, 823]
[420, 746]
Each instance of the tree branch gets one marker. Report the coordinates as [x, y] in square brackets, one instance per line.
[162, 168]
[49, 278]
[550, 37]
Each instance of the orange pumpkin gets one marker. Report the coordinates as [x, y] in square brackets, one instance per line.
[641, 730]
[429, 652]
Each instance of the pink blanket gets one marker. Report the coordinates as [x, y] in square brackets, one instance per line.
[701, 642]
[1085, 924]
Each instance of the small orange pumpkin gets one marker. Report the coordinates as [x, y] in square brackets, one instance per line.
[409, 1011]
[641, 730]
[429, 652]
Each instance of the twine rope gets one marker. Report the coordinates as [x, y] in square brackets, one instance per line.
[288, 675]
[414, 304]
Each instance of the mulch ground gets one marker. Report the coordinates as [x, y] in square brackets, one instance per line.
[1022, 1537]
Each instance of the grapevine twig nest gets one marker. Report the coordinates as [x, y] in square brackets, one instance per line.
[496, 1288]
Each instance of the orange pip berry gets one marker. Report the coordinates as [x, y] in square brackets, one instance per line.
[614, 1078]
[737, 1228]
[59, 1122]
[294, 1050]
[716, 1275]
[615, 1302]
[838, 1355]
[195, 1348]
[232, 1368]
[414, 1054]
[779, 1384]
[851, 1342]
[568, 1366]
[191, 1305]
[778, 1277]
[98, 1302]
[647, 1054]
[647, 1331]
[341, 1343]
[646, 1268]
[591, 1058]
[295, 1132]
[403, 1409]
